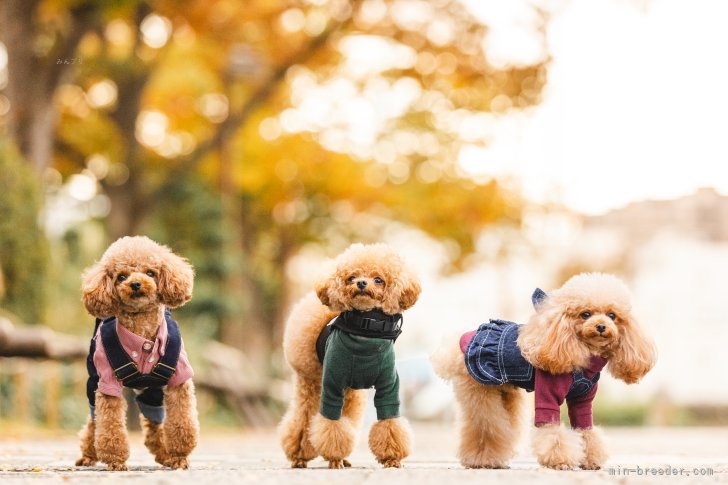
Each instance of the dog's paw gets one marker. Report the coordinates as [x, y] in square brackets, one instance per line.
[347, 463]
[299, 464]
[86, 461]
[392, 463]
[336, 464]
[176, 462]
[591, 465]
[496, 465]
[562, 466]
[117, 467]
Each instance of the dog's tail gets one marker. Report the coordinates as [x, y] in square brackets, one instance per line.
[448, 361]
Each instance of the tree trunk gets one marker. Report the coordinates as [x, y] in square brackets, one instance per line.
[33, 80]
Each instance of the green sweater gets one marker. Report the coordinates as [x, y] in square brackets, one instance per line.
[353, 362]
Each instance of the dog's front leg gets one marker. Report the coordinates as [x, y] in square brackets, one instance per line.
[594, 447]
[111, 439]
[181, 428]
[557, 447]
[333, 439]
[391, 441]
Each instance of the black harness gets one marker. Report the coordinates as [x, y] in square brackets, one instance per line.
[124, 367]
[373, 324]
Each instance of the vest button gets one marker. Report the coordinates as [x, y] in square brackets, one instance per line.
[135, 354]
[147, 346]
[151, 359]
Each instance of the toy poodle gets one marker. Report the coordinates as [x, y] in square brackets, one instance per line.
[137, 344]
[576, 331]
[339, 341]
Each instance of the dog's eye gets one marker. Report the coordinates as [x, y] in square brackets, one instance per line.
[612, 315]
[150, 273]
[350, 279]
[121, 277]
[585, 315]
[378, 280]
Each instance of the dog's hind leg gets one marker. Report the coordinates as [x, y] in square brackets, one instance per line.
[111, 439]
[181, 427]
[154, 439]
[294, 430]
[488, 424]
[88, 451]
[354, 404]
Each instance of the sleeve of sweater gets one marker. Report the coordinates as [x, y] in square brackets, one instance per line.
[580, 409]
[550, 391]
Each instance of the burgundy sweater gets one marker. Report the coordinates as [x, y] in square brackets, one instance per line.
[550, 393]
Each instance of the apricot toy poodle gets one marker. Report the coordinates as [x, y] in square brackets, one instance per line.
[137, 344]
[339, 341]
[576, 331]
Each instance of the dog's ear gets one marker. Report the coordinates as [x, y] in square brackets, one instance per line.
[322, 291]
[97, 286]
[176, 278]
[549, 341]
[635, 354]
[403, 293]
[538, 298]
[328, 291]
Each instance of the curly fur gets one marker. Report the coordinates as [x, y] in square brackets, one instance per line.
[558, 447]
[391, 441]
[560, 337]
[165, 280]
[595, 450]
[305, 434]
[333, 439]
[489, 417]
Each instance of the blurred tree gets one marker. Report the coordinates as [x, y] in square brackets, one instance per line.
[23, 251]
[301, 114]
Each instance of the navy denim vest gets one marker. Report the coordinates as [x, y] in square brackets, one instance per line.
[492, 357]
[150, 397]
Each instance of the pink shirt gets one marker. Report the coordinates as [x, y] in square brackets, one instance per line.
[145, 354]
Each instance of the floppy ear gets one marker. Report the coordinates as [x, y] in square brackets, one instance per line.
[98, 291]
[328, 292]
[634, 355]
[549, 342]
[176, 277]
[402, 294]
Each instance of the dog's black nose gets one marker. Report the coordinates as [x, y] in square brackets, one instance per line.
[601, 328]
[361, 284]
[135, 286]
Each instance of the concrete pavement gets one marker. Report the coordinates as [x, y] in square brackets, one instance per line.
[696, 455]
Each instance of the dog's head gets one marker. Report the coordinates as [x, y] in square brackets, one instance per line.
[134, 275]
[367, 277]
[591, 314]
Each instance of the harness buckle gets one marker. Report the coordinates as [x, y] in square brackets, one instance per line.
[373, 324]
[122, 376]
[167, 371]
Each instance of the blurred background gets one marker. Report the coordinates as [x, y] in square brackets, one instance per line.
[499, 145]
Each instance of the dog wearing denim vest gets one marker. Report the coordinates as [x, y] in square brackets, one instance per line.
[576, 330]
[137, 281]
[327, 408]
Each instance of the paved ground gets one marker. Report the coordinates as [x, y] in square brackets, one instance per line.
[254, 457]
